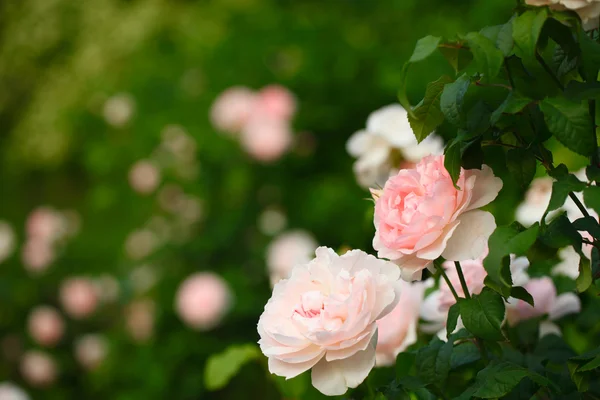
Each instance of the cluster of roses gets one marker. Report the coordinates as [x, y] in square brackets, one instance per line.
[342, 315]
[261, 120]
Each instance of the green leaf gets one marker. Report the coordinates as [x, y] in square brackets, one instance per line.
[561, 233]
[496, 380]
[580, 379]
[483, 314]
[526, 32]
[591, 197]
[578, 91]
[590, 53]
[595, 363]
[501, 36]
[519, 292]
[488, 58]
[292, 388]
[522, 165]
[424, 48]
[452, 156]
[221, 367]
[514, 103]
[570, 123]
[464, 353]
[588, 224]
[453, 314]
[433, 361]
[584, 280]
[427, 115]
[561, 187]
[511, 239]
[458, 57]
[593, 173]
[451, 100]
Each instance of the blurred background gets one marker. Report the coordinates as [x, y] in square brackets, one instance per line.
[137, 235]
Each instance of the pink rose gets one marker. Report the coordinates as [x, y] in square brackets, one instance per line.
[37, 255]
[398, 329]
[202, 300]
[38, 368]
[546, 301]
[420, 215]
[324, 317]
[277, 101]
[46, 326]
[78, 297]
[231, 110]
[266, 138]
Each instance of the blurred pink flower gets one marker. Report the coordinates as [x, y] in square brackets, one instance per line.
[398, 329]
[266, 138]
[546, 301]
[202, 300]
[38, 368]
[37, 255]
[91, 350]
[474, 274]
[78, 297]
[287, 250]
[139, 319]
[46, 325]
[144, 177]
[277, 101]
[45, 224]
[231, 110]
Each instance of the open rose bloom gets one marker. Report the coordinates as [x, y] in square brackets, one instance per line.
[420, 215]
[324, 317]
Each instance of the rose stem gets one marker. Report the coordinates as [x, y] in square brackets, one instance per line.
[447, 281]
[463, 283]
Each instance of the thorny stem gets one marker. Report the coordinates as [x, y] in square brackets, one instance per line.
[463, 283]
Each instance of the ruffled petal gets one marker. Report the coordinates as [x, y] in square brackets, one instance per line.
[486, 187]
[469, 240]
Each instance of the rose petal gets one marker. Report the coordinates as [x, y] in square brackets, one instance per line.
[469, 240]
[549, 328]
[291, 370]
[566, 303]
[335, 377]
[360, 345]
[486, 187]
[434, 250]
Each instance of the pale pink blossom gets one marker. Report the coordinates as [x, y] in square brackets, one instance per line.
[45, 325]
[588, 10]
[139, 319]
[45, 224]
[202, 300]
[37, 255]
[287, 250]
[266, 138]
[144, 177]
[324, 317]
[398, 329]
[10, 391]
[420, 215]
[232, 109]
[91, 350]
[78, 297]
[387, 132]
[277, 101]
[546, 302]
[38, 368]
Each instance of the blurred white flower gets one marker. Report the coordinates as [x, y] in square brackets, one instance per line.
[536, 201]
[38, 368]
[387, 131]
[287, 250]
[91, 350]
[272, 221]
[231, 110]
[140, 244]
[119, 109]
[202, 300]
[569, 263]
[45, 325]
[139, 319]
[7, 240]
[588, 10]
[10, 391]
[144, 177]
[78, 297]
[171, 197]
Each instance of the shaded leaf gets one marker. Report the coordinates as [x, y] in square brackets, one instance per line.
[483, 314]
[570, 123]
[427, 115]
